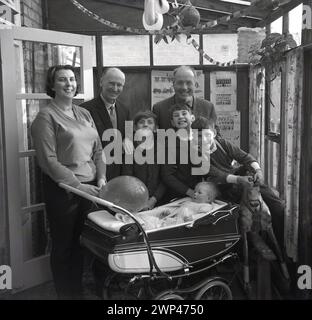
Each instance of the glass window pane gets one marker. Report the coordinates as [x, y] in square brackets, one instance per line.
[126, 51]
[273, 165]
[277, 26]
[175, 52]
[26, 113]
[220, 47]
[34, 59]
[31, 182]
[295, 23]
[275, 105]
[35, 235]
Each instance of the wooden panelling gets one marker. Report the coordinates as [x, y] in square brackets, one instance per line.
[137, 92]
[243, 105]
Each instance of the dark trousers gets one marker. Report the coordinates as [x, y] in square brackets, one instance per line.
[66, 214]
[234, 193]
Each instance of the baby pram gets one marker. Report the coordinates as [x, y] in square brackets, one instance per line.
[165, 263]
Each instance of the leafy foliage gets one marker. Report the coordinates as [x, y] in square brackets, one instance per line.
[271, 54]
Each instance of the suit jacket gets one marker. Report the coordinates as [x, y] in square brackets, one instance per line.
[102, 122]
[201, 107]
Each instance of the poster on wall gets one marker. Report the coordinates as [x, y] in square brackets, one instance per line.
[223, 86]
[162, 85]
[229, 124]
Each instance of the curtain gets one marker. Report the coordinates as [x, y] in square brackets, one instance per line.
[292, 148]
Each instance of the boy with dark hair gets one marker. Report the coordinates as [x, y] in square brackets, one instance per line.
[231, 179]
[145, 123]
[178, 177]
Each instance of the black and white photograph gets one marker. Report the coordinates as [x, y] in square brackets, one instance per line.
[156, 150]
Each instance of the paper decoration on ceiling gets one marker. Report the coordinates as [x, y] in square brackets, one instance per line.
[207, 57]
[186, 21]
[172, 29]
[153, 14]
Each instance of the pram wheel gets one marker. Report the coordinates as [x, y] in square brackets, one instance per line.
[118, 287]
[169, 296]
[214, 290]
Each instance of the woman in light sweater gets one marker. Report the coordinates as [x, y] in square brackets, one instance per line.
[68, 150]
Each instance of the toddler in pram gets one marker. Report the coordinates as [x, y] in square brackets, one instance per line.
[180, 211]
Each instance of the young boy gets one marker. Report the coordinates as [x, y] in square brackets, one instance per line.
[230, 179]
[178, 177]
[145, 122]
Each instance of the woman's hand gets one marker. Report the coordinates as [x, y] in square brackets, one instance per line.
[90, 189]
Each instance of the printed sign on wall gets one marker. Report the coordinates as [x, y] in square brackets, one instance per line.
[223, 90]
[229, 124]
[162, 85]
[223, 87]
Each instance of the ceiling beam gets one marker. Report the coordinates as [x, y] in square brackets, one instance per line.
[283, 9]
[244, 3]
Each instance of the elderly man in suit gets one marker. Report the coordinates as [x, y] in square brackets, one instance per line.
[109, 113]
[184, 84]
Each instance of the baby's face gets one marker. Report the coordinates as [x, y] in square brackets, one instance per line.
[203, 194]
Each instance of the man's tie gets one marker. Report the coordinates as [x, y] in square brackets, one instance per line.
[112, 114]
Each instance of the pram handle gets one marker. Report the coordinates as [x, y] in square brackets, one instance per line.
[88, 196]
[120, 209]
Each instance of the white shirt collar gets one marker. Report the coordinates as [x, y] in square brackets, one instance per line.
[107, 104]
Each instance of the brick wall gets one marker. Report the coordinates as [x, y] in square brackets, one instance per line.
[31, 13]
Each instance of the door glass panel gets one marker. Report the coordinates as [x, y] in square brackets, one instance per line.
[37, 57]
[35, 234]
[30, 182]
[26, 113]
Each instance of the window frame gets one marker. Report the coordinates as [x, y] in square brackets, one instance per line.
[273, 137]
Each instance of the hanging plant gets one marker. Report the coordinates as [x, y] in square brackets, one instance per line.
[271, 54]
